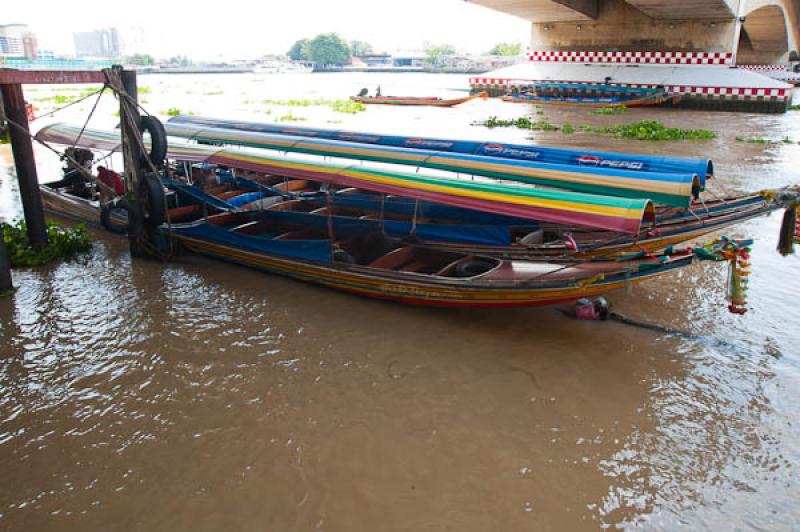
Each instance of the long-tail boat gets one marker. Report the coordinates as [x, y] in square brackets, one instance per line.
[588, 95]
[450, 226]
[413, 100]
[352, 259]
[562, 207]
[563, 156]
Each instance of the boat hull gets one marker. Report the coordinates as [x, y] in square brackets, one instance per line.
[431, 102]
[594, 102]
[70, 207]
[349, 279]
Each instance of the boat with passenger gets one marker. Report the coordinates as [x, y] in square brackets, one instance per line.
[591, 95]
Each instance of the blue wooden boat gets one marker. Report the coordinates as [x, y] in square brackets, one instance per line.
[590, 95]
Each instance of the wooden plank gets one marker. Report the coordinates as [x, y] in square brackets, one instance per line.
[36, 77]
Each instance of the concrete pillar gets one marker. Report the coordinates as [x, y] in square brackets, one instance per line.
[22, 149]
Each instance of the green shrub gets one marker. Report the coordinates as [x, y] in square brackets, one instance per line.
[62, 243]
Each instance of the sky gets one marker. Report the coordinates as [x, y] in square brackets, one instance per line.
[241, 29]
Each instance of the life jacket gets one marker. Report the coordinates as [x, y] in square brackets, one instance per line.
[112, 180]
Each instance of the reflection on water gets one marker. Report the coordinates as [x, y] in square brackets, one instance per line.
[196, 395]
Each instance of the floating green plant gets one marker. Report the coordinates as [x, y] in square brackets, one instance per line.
[641, 130]
[339, 105]
[653, 130]
[289, 117]
[172, 111]
[610, 110]
[62, 243]
[522, 122]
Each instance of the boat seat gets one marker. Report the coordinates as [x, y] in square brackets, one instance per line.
[231, 194]
[300, 234]
[394, 259]
[286, 206]
[216, 189]
[412, 266]
[249, 228]
[295, 185]
[181, 214]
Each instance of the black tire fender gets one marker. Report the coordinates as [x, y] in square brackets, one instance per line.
[156, 209]
[344, 257]
[473, 267]
[158, 139]
[120, 229]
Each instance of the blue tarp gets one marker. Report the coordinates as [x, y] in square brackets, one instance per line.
[316, 250]
[483, 235]
[196, 194]
[405, 206]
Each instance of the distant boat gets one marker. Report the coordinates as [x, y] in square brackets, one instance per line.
[412, 100]
[589, 95]
[296, 68]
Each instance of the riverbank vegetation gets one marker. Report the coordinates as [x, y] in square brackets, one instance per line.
[339, 105]
[651, 130]
[62, 243]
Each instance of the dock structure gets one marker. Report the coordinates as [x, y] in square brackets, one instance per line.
[13, 99]
[692, 48]
[11, 82]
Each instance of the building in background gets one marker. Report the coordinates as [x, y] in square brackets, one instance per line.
[97, 43]
[30, 45]
[12, 40]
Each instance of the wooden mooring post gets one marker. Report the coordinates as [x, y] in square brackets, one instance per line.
[22, 148]
[6, 283]
[131, 151]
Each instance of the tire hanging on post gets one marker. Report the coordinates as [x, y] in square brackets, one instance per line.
[133, 224]
[156, 209]
[158, 140]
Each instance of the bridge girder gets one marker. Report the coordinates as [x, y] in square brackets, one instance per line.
[687, 9]
[545, 10]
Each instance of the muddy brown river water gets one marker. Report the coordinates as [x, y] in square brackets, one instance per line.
[198, 396]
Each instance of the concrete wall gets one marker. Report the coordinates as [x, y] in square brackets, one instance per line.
[769, 32]
[620, 26]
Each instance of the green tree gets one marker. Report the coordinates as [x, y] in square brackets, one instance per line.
[507, 48]
[359, 48]
[141, 59]
[434, 52]
[328, 49]
[298, 51]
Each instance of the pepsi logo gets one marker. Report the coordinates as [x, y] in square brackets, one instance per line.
[589, 160]
[492, 149]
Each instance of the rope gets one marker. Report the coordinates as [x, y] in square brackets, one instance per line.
[91, 113]
[63, 156]
[115, 82]
[79, 100]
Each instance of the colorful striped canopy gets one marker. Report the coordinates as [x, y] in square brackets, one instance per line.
[561, 207]
[582, 158]
[668, 189]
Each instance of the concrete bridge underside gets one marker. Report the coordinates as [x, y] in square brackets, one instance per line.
[770, 31]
